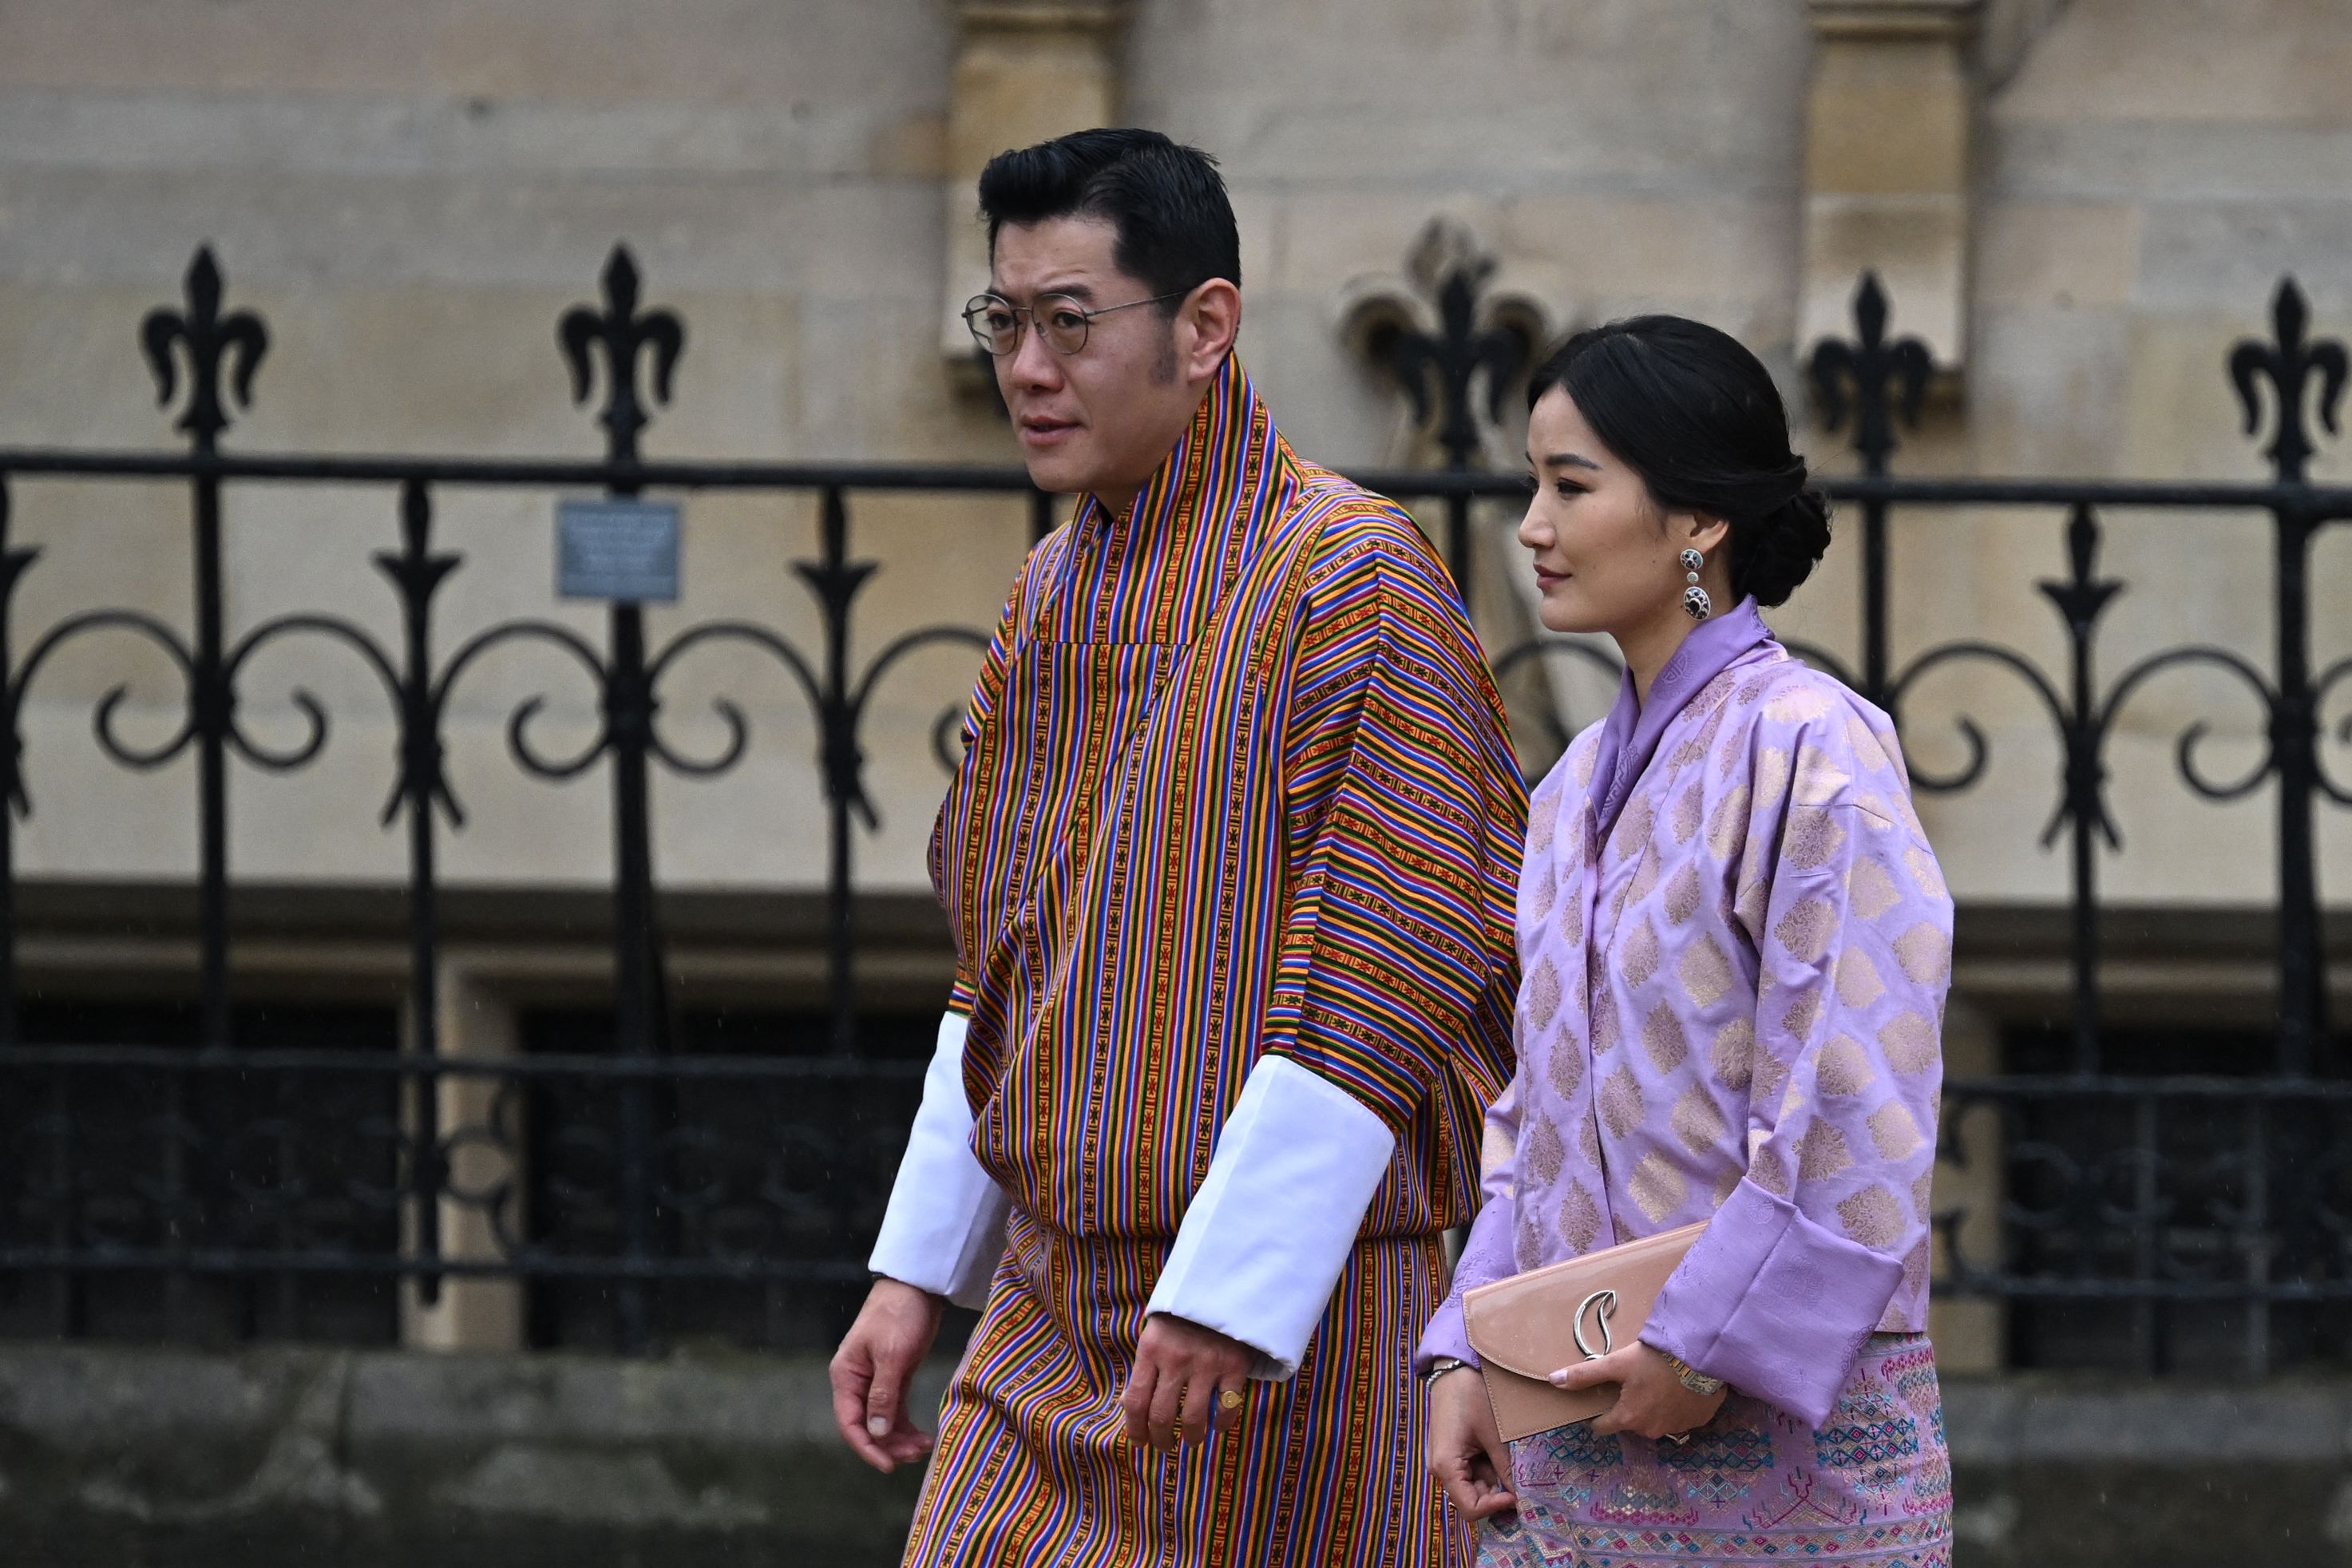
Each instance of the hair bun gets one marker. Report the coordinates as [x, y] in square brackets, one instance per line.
[1695, 414]
[1771, 555]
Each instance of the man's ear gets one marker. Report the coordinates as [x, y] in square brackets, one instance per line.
[1210, 320]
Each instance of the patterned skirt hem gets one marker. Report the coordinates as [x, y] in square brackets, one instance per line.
[1872, 1488]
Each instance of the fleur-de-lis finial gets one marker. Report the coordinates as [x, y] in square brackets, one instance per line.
[1870, 364]
[237, 341]
[2082, 598]
[623, 334]
[2288, 362]
[417, 571]
[1454, 356]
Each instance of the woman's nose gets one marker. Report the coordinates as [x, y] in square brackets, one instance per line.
[1534, 532]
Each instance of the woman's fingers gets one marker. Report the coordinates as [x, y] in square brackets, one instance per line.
[1454, 1476]
[1476, 1495]
[1611, 1368]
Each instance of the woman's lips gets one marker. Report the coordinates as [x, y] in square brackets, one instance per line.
[1549, 580]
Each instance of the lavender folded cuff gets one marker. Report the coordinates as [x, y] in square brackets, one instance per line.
[1773, 1304]
[1486, 1256]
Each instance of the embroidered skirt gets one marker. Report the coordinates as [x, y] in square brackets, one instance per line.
[1873, 1489]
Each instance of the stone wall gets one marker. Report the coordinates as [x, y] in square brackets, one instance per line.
[411, 198]
[116, 1458]
[415, 195]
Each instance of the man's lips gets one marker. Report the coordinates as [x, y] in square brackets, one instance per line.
[1037, 429]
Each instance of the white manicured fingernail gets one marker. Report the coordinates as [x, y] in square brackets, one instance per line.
[878, 1426]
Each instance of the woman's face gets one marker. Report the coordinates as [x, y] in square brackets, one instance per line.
[1605, 557]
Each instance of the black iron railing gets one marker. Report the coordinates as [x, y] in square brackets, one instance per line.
[2117, 1189]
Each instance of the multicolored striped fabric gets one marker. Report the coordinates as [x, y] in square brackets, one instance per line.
[1235, 780]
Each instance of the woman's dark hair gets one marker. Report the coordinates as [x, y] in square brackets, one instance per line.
[1174, 221]
[1697, 416]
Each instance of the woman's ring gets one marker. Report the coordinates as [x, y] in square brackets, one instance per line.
[1678, 1437]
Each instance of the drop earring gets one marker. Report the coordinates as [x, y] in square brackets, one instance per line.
[1694, 600]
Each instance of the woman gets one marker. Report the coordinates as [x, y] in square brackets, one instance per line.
[1736, 942]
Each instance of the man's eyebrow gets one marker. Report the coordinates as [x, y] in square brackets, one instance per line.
[1082, 293]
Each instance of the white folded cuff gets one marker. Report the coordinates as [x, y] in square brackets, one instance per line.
[944, 1230]
[1267, 1235]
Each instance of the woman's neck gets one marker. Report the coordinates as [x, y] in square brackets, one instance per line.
[1647, 647]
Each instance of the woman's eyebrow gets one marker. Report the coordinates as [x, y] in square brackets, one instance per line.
[1571, 460]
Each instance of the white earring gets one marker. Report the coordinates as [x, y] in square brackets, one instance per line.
[1694, 600]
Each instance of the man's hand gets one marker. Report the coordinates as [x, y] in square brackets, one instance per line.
[1467, 1453]
[870, 1371]
[1651, 1400]
[1181, 1374]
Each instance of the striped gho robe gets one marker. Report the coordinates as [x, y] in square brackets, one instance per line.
[1230, 860]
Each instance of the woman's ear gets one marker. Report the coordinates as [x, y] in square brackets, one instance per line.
[1704, 533]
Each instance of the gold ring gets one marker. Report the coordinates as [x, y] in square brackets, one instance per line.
[1230, 1399]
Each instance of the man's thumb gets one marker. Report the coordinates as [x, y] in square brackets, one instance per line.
[882, 1402]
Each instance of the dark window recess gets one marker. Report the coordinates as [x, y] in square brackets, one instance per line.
[2191, 1191]
[749, 1172]
[100, 1158]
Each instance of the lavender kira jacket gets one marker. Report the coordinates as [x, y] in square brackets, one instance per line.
[1736, 942]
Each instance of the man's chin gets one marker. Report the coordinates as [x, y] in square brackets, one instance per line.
[1058, 473]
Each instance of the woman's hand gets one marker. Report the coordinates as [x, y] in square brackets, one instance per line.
[1651, 1400]
[1466, 1452]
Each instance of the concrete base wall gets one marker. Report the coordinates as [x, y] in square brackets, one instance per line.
[129, 1458]
[154, 1459]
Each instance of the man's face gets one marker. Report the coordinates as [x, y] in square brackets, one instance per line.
[1102, 419]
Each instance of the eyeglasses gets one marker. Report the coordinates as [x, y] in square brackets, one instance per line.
[1061, 321]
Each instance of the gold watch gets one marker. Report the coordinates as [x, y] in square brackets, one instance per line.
[1690, 1377]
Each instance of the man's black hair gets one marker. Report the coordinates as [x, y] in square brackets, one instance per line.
[1174, 223]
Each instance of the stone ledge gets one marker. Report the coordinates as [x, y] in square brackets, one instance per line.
[2023, 1421]
[278, 1456]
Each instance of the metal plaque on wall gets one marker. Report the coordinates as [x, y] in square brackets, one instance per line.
[617, 550]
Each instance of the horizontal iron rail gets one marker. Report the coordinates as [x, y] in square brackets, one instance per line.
[194, 1059]
[232, 1260]
[393, 1064]
[2315, 500]
[2284, 1292]
[2125, 1086]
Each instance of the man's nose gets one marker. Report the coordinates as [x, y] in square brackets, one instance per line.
[1031, 363]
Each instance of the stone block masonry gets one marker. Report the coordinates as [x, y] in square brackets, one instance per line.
[118, 1458]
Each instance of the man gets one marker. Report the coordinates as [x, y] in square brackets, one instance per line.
[1229, 859]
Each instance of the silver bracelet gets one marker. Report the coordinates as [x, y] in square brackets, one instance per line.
[1442, 1365]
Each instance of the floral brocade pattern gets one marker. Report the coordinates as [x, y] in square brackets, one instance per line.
[1871, 1488]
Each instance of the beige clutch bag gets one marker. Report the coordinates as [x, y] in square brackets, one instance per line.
[1529, 1326]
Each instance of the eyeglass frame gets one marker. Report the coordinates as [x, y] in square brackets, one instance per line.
[1024, 316]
